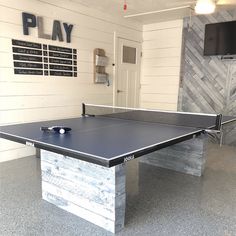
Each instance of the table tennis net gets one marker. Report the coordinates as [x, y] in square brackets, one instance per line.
[205, 121]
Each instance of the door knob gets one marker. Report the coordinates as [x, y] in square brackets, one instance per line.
[119, 91]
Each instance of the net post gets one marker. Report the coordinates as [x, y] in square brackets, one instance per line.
[219, 127]
[218, 123]
[83, 109]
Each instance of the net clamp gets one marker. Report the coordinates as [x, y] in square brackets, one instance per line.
[212, 131]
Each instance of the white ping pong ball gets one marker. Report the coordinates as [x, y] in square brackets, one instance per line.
[61, 131]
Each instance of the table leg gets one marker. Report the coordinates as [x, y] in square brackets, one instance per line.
[188, 157]
[92, 192]
[229, 134]
[132, 177]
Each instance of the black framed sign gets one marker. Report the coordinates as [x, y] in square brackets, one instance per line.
[31, 58]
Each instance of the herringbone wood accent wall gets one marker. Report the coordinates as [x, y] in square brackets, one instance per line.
[208, 83]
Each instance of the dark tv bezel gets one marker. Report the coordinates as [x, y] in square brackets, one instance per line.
[216, 54]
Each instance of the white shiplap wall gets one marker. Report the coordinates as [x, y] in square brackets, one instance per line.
[32, 98]
[161, 65]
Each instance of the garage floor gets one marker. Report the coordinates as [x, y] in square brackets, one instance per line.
[168, 203]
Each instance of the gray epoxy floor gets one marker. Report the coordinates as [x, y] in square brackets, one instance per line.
[168, 203]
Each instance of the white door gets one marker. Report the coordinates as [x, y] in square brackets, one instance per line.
[128, 73]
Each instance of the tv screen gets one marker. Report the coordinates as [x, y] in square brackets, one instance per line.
[220, 39]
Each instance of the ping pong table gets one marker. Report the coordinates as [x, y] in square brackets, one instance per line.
[84, 170]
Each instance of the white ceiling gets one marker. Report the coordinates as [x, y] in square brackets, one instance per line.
[115, 7]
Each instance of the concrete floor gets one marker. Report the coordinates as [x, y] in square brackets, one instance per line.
[168, 203]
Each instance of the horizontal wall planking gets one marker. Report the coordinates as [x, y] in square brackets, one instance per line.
[163, 25]
[88, 67]
[29, 115]
[159, 89]
[7, 74]
[6, 59]
[5, 45]
[87, 55]
[157, 71]
[15, 31]
[161, 43]
[164, 52]
[48, 87]
[70, 16]
[85, 67]
[160, 62]
[86, 78]
[161, 98]
[17, 153]
[158, 80]
[172, 34]
[83, 78]
[47, 113]
[98, 101]
[161, 106]
[161, 65]
[6, 145]
[35, 102]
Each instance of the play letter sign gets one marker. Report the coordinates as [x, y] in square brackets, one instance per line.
[32, 21]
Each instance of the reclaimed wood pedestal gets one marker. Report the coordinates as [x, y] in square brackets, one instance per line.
[98, 194]
[187, 157]
[92, 192]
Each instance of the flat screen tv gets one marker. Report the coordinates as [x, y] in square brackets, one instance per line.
[220, 39]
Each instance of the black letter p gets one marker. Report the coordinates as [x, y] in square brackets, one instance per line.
[29, 20]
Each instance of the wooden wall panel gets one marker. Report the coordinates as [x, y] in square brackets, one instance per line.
[207, 82]
[16, 153]
[161, 65]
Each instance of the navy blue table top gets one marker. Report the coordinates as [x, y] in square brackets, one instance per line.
[102, 140]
